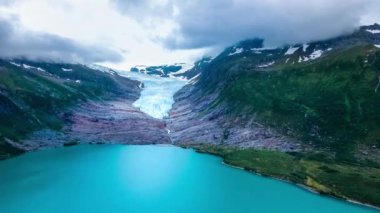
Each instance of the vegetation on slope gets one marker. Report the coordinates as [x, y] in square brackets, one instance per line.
[35, 96]
[330, 177]
[332, 103]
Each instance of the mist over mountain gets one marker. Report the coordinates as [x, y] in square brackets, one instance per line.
[201, 24]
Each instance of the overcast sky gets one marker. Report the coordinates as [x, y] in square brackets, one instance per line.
[123, 33]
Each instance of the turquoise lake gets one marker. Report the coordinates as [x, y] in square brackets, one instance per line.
[146, 179]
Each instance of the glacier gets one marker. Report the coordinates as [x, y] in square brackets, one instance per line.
[156, 97]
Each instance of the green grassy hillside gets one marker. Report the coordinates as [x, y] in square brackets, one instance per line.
[331, 103]
[325, 95]
[355, 182]
[35, 96]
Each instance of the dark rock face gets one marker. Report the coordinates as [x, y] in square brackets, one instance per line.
[190, 124]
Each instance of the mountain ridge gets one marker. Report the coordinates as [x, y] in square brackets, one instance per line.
[52, 104]
[312, 106]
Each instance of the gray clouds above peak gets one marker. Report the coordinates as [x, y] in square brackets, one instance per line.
[211, 23]
[166, 31]
[16, 42]
[145, 9]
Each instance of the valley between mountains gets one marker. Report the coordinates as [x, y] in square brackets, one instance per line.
[306, 113]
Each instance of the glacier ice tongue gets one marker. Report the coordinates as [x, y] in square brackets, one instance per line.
[156, 98]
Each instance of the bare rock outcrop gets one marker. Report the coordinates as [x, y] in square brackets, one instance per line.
[192, 122]
[115, 122]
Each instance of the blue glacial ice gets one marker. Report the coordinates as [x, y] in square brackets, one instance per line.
[156, 98]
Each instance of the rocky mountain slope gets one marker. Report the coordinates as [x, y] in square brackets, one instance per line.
[50, 104]
[316, 103]
[302, 91]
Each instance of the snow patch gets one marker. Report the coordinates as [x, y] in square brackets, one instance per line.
[28, 66]
[373, 31]
[194, 79]
[266, 65]
[237, 51]
[287, 60]
[377, 45]
[316, 54]
[304, 47]
[66, 70]
[25, 66]
[291, 50]
[100, 68]
[184, 69]
[260, 50]
[263, 48]
[329, 49]
[15, 64]
[78, 81]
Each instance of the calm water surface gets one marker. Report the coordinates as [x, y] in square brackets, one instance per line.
[146, 179]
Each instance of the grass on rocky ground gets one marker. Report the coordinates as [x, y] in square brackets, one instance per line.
[32, 99]
[329, 177]
[331, 103]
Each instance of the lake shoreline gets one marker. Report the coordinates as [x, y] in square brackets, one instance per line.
[121, 158]
[226, 163]
[298, 184]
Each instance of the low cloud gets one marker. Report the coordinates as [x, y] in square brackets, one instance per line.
[210, 23]
[16, 42]
[145, 9]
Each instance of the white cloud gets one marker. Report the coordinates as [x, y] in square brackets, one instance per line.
[98, 22]
[277, 21]
[205, 23]
[17, 42]
[167, 31]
